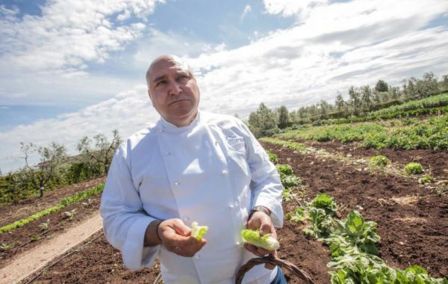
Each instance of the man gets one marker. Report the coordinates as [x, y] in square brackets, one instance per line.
[190, 166]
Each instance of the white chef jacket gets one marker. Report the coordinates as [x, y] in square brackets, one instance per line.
[212, 171]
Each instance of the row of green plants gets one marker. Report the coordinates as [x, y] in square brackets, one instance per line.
[435, 105]
[288, 178]
[398, 134]
[75, 198]
[353, 244]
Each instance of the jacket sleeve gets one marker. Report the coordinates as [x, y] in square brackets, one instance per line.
[124, 219]
[265, 185]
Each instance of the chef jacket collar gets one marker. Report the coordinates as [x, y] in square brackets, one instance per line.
[171, 128]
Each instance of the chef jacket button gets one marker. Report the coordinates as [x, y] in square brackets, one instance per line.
[230, 205]
[238, 243]
[224, 172]
[176, 183]
[168, 153]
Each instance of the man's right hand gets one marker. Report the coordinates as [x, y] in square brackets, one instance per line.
[176, 237]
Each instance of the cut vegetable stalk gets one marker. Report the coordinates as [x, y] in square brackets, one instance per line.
[263, 241]
[197, 231]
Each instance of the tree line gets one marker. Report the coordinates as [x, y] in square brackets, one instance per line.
[56, 168]
[359, 101]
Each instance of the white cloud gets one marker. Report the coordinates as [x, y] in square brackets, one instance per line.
[69, 34]
[292, 7]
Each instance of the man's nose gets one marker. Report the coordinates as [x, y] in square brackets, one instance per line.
[174, 88]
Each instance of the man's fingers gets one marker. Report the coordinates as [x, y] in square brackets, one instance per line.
[266, 228]
[181, 228]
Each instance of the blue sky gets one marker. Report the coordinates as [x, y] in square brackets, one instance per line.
[76, 67]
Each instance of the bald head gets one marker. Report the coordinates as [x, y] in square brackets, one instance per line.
[164, 59]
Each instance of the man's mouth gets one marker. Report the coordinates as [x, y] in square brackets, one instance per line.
[178, 101]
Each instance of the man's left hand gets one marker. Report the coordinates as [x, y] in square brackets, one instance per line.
[260, 221]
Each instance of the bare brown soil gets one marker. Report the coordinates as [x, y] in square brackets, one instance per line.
[435, 163]
[98, 262]
[32, 234]
[412, 221]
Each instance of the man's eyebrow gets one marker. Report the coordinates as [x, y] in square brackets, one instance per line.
[161, 77]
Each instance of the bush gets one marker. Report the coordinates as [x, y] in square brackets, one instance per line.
[413, 168]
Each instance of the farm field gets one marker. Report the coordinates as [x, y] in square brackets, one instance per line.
[411, 214]
[412, 219]
[43, 229]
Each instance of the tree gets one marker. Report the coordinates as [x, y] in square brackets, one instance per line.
[51, 158]
[324, 108]
[381, 86]
[283, 117]
[340, 103]
[102, 153]
[263, 122]
[444, 83]
[366, 98]
[355, 100]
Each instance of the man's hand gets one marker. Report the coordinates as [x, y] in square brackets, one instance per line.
[260, 221]
[176, 237]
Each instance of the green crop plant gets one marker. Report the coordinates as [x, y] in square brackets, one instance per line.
[284, 169]
[379, 161]
[413, 168]
[353, 243]
[272, 157]
[78, 197]
[289, 181]
[7, 246]
[426, 179]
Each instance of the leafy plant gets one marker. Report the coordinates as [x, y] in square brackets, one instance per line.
[44, 226]
[426, 179]
[290, 181]
[379, 161]
[272, 157]
[284, 169]
[353, 246]
[7, 246]
[413, 168]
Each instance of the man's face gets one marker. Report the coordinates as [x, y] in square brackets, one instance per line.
[173, 91]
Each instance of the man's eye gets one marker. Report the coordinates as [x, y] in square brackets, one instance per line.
[183, 78]
[160, 83]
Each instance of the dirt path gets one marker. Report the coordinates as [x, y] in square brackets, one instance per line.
[31, 261]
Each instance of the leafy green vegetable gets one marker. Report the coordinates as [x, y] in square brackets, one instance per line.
[413, 168]
[197, 231]
[379, 161]
[353, 246]
[263, 241]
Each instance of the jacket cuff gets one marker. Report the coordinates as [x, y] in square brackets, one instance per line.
[135, 255]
